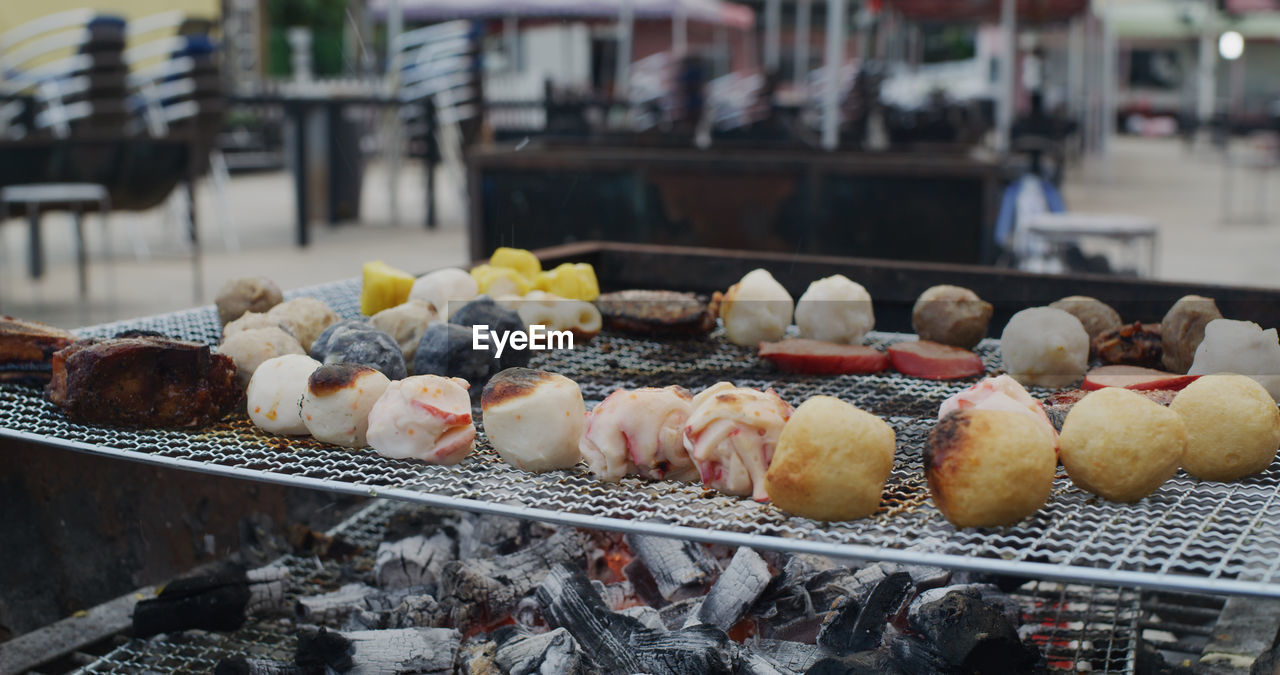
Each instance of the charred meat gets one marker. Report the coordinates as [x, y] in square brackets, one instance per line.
[656, 313]
[1137, 344]
[27, 348]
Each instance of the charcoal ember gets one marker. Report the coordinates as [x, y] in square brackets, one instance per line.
[522, 652]
[481, 536]
[617, 596]
[618, 643]
[241, 665]
[500, 320]
[645, 586]
[404, 650]
[214, 601]
[785, 656]
[794, 604]
[398, 608]
[739, 586]
[855, 626]
[478, 657]
[447, 350]
[675, 614]
[961, 631]
[647, 616]
[360, 344]
[414, 561]
[484, 590]
[861, 663]
[307, 542]
[989, 590]
[418, 610]
[680, 568]
[422, 521]
[927, 576]
[334, 607]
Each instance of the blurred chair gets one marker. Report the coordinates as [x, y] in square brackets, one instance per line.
[76, 198]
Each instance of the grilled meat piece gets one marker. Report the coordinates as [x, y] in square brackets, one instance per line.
[26, 349]
[146, 381]
[1058, 405]
[1137, 344]
[656, 313]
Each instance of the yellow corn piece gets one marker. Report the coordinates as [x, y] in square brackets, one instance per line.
[497, 281]
[384, 287]
[518, 259]
[576, 281]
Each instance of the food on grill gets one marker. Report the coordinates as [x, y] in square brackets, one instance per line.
[446, 349]
[988, 468]
[1120, 445]
[27, 348]
[1134, 377]
[383, 287]
[337, 401]
[1233, 427]
[309, 316]
[656, 313]
[560, 314]
[934, 360]
[500, 320]
[250, 348]
[576, 281]
[360, 343]
[149, 382]
[1045, 347]
[999, 393]
[518, 259]
[1137, 344]
[835, 309]
[405, 324]
[246, 294]
[951, 315]
[254, 320]
[275, 393]
[533, 418]
[494, 281]
[445, 290]
[1183, 328]
[756, 309]
[831, 462]
[823, 358]
[1058, 405]
[639, 432]
[731, 435]
[1243, 348]
[424, 417]
[1096, 316]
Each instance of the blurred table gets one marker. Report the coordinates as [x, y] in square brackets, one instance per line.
[1047, 235]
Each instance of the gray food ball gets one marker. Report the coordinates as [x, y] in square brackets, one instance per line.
[446, 350]
[246, 294]
[484, 311]
[361, 344]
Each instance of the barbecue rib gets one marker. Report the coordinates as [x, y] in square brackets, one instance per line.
[145, 381]
[26, 348]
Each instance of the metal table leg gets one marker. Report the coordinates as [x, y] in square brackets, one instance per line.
[36, 250]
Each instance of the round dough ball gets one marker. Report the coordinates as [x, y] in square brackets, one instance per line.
[1121, 445]
[1233, 427]
[246, 294]
[357, 342]
[1045, 347]
[1096, 316]
[445, 290]
[831, 462]
[835, 309]
[250, 348]
[252, 320]
[1183, 328]
[756, 309]
[533, 418]
[988, 468]
[308, 315]
[405, 323]
[337, 401]
[275, 393]
[951, 315]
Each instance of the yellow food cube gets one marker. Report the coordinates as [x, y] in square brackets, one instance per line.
[576, 281]
[518, 259]
[496, 281]
[384, 287]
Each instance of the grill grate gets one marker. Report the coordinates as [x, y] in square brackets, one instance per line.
[1078, 628]
[1190, 535]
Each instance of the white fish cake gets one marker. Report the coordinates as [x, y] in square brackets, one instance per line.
[275, 393]
[560, 314]
[639, 432]
[309, 316]
[251, 348]
[1243, 348]
[533, 418]
[336, 404]
[731, 436]
[445, 290]
[1045, 346]
[756, 309]
[424, 417]
[835, 309]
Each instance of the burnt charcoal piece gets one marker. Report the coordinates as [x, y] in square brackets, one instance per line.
[484, 311]
[481, 591]
[738, 587]
[674, 615]
[619, 643]
[246, 666]
[334, 607]
[217, 601]
[360, 344]
[782, 655]
[856, 627]
[645, 586]
[446, 349]
[415, 561]
[682, 569]
[862, 663]
[402, 650]
[148, 382]
[305, 541]
[521, 652]
[963, 632]
[27, 349]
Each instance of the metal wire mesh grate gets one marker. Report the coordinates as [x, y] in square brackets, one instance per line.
[1078, 628]
[1189, 535]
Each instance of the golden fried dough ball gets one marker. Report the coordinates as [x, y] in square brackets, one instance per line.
[1233, 427]
[1121, 445]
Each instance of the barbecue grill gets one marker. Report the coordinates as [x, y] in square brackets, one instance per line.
[1088, 556]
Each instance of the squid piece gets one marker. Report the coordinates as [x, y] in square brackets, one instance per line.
[999, 393]
[424, 417]
[639, 432]
[731, 435]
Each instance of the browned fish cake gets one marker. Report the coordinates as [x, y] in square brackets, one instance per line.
[656, 313]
